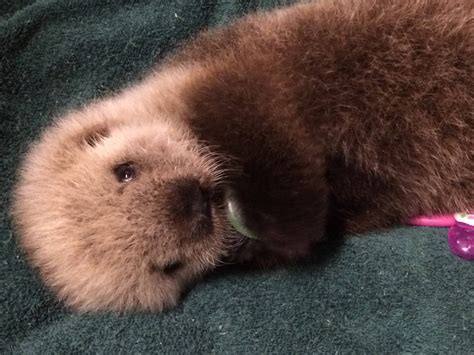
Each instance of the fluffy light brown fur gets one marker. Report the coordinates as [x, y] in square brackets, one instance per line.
[358, 111]
[99, 243]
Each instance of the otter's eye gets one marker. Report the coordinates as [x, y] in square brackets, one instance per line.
[125, 172]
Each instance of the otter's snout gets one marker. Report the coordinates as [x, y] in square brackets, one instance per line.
[191, 199]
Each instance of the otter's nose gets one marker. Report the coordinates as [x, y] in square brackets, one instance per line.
[193, 200]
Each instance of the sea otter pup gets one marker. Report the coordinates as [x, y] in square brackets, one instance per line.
[269, 128]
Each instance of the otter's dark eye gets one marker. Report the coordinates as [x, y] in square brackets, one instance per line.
[125, 172]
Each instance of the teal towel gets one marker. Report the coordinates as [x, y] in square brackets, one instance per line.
[394, 291]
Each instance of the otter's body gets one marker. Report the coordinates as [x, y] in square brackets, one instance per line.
[360, 111]
[372, 104]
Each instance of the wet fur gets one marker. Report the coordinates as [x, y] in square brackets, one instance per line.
[360, 111]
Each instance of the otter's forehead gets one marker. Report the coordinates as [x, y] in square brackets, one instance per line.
[103, 133]
[143, 139]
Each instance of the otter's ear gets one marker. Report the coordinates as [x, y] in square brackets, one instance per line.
[94, 135]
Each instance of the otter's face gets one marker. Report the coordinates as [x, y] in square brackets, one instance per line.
[120, 214]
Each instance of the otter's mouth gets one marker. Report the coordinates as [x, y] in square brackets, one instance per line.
[236, 217]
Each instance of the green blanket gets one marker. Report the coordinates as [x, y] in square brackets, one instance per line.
[399, 290]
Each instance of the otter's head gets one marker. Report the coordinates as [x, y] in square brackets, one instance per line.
[120, 213]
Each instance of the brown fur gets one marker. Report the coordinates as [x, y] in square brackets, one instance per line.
[357, 110]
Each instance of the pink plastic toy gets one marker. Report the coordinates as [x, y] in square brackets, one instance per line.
[441, 220]
[461, 231]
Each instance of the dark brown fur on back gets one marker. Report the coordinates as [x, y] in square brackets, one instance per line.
[370, 101]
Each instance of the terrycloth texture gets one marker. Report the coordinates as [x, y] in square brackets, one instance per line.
[388, 292]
